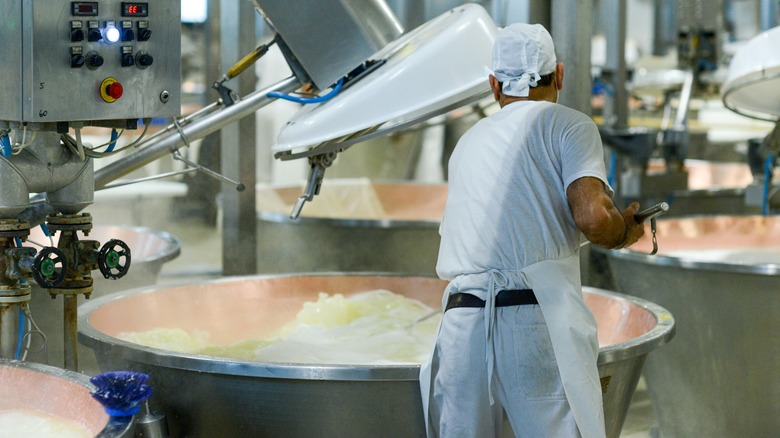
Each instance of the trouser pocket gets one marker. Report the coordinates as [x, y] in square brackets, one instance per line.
[537, 370]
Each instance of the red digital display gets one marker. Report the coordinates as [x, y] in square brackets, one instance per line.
[135, 9]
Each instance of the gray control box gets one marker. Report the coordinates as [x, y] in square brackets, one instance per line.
[66, 61]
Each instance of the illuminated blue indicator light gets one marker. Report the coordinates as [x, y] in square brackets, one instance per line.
[112, 34]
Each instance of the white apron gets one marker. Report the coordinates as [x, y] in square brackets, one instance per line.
[556, 284]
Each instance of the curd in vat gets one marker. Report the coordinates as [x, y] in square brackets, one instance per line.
[16, 423]
[371, 328]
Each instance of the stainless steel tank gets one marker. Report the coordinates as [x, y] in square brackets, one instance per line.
[150, 250]
[720, 278]
[359, 225]
[713, 188]
[352, 225]
[57, 392]
[207, 396]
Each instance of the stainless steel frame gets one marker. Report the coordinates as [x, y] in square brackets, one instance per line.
[45, 167]
[40, 85]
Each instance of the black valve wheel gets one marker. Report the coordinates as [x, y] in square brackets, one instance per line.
[114, 259]
[49, 267]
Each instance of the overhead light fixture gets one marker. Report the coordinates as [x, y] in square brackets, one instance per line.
[752, 87]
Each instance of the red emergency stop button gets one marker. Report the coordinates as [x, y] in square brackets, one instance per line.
[111, 90]
[114, 90]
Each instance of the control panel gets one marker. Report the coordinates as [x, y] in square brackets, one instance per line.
[68, 61]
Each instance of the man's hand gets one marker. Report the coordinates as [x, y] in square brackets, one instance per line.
[598, 218]
[634, 230]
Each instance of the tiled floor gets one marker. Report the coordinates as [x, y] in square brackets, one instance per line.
[200, 259]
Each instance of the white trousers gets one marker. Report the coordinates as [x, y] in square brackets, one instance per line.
[526, 383]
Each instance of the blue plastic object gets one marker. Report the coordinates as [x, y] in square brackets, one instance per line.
[121, 392]
[308, 100]
[767, 180]
[5, 145]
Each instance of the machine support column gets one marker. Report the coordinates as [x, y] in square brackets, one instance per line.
[613, 13]
[572, 28]
[9, 326]
[238, 150]
[70, 331]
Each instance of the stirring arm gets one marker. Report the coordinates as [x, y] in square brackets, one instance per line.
[318, 165]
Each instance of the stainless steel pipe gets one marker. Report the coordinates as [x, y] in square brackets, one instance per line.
[200, 128]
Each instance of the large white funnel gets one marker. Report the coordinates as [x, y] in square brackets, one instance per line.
[437, 67]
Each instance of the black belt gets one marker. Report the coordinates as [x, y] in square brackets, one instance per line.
[515, 297]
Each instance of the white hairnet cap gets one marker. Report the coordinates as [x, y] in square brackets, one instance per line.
[521, 54]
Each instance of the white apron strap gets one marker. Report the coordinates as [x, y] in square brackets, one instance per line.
[572, 328]
[497, 282]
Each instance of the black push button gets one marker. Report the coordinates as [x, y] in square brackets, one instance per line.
[128, 34]
[77, 61]
[76, 35]
[144, 34]
[94, 60]
[94, 35]
[144, 60]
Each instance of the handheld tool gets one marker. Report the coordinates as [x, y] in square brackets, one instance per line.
[652, 213]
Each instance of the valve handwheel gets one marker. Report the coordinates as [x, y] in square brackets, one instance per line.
[114, 259]
[49, 267]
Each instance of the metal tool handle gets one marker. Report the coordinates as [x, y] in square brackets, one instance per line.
[652, 212]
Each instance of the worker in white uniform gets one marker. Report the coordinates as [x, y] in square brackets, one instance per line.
[525, 185]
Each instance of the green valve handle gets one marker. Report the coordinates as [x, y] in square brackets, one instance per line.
[114, 259]
[49, 267]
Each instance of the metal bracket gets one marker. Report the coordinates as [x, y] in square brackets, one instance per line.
[194, 167]
[228, 96]
[318, 165]
[218, 176]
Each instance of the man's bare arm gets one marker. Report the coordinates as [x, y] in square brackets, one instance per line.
[597, 217]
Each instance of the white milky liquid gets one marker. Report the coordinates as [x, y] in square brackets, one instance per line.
[371, 328]
[25, 423]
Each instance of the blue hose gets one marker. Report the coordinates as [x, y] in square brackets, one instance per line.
[5, 145]
[112, 145]
[767, 180]
[20, 340]
[307, 100]
[19, 244]
[612, 169]
[45, 230]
